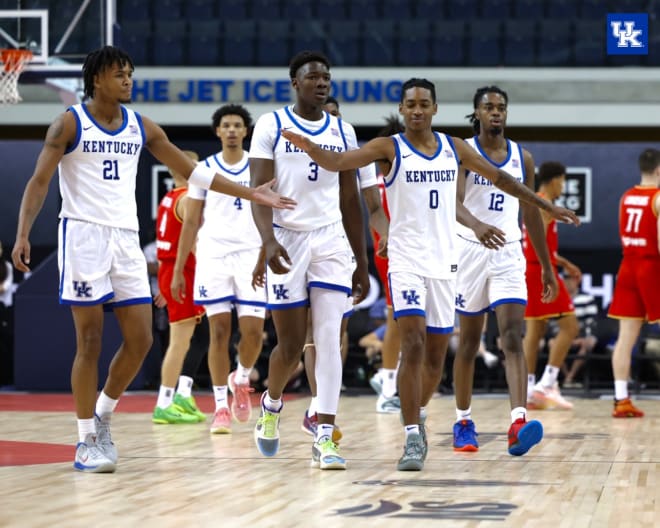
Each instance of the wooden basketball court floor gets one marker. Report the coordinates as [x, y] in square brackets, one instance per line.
[589, 470]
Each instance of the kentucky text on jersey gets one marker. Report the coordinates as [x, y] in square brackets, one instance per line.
[480, 180]
[332, 148]
[430, 176]
[109, 147]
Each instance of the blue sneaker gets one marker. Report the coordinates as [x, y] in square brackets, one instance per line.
[267, 431]
[465, 436]
[524, 435]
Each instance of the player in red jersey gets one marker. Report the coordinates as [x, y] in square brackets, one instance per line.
[638, 281]
[545, 394]
[171, 407]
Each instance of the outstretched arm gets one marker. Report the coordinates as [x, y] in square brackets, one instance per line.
[60, 134]
[166, 152]
[503, 180]
[375, 150]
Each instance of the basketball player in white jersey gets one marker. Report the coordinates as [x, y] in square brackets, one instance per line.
[97, 146]
[495, 280]
[368, 185]
[421, 194]
[228, 245]
[308, 255]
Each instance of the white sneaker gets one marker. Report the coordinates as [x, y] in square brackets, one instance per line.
[550, 397]
[91, 459]
[388, 405]
[376, 383]
[103, 437]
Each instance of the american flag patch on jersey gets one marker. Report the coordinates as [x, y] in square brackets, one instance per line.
[515, 163]
[132, 129]
[334, 132]
[449, 153]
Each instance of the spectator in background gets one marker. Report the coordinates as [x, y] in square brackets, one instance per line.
[6, 321]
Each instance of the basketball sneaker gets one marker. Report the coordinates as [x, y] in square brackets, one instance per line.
[103, 437]
[385, 405]
[523, 435]
[625, 409]
[91, 459]
[172, 415]
[325, 455]
[221, 421]
[550, 398]
[188, 406]
[310, 424]
[241, 407]
[267, 431]
[465, 437]
[376, 382]
[413, 454]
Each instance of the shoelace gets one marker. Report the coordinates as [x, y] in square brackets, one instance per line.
[466, 432]
[243, 391]
[414, 450]
[269, 421]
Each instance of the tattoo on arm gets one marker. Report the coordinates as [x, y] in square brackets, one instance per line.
[55, 132]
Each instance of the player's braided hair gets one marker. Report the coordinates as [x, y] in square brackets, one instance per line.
[476, 125]
[99, 60]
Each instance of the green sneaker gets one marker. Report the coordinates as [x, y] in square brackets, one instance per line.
[325, 455]
[172, 415]
[267, 431]
[188, 406]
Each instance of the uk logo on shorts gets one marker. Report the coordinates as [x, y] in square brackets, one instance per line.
[627, 34]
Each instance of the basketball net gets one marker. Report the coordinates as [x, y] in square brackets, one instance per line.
[13, 60]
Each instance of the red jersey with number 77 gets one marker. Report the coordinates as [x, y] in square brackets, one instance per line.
[638, 222]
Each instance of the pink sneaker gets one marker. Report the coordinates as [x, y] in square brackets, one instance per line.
[550, 398]
[221, 421]
[241, 407]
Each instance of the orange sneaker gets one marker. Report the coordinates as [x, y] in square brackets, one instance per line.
[625, 409]
[221, 421]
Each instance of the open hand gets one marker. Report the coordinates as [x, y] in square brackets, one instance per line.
[265, 195]
[302, 142]
[564, 215]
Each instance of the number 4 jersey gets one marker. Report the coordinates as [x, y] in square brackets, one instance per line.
[98, 171]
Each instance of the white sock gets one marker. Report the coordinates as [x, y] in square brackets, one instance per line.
[220, 394]
[518, 412]
[184, 388]
[531, 381]
[313, 405]
[324, 430]
[549, 377]
[165, 397]
[411, 429]
[620, 389]
[105, 404]
[422, 414]
[272, 405]
[242, 375]
[85, 426]
[389, 382]
[463, 414]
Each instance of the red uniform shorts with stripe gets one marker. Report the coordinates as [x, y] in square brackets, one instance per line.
[178, 311]
[536, 309]
[637, 290]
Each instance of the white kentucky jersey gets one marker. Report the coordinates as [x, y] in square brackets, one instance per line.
[98, 171]
[227, 224]
[490, 204]
[421, 196]
[299, 177]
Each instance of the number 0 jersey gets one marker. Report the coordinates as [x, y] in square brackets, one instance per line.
[98, 171]
[421, 195]
[490, 204]
[314, 188]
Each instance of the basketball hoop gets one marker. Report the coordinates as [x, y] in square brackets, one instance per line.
[14, 60]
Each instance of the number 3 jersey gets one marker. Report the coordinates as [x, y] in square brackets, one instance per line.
[490, 204]
[227, 224]
[314, 188]
[98, 171]
[421, 196]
